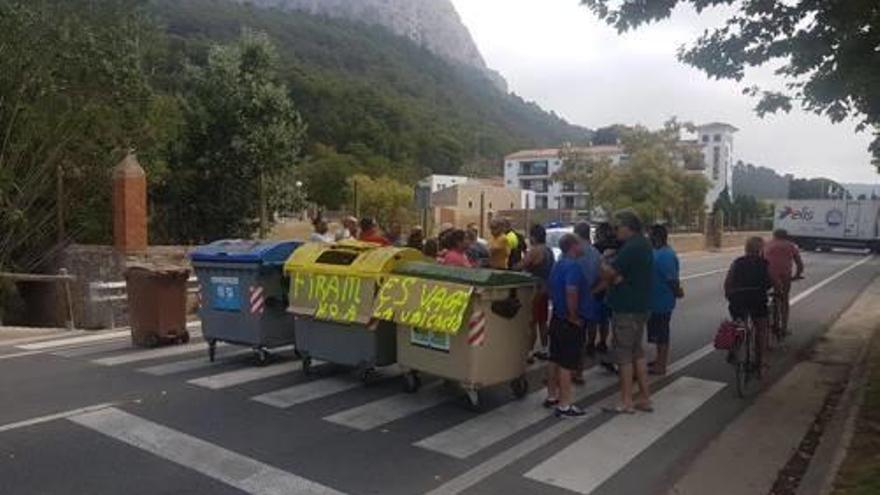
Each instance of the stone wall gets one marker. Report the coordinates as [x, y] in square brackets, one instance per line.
[738, 239]
[92, 264]
[683, 243]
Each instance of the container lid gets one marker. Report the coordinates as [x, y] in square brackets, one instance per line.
[244, 251]
[466, 276]
[349, 257]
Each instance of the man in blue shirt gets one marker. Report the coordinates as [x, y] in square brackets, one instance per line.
[568, 285]
[665, 287]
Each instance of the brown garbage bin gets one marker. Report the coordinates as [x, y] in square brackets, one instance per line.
[157, 304]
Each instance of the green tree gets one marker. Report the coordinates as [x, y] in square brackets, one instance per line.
[242, 131]
[73, 99]
[652, 179]
[826, 51]
[325, 174]
[384, 199]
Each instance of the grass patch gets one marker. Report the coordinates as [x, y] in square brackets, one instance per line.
[860, 473]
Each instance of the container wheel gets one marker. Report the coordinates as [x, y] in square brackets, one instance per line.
[263, 357]
[366, 374]
[307, 365]
[473, 397]
[520, 387]
[184, 339]
[152, 340]
[411, 382]
[212, 350]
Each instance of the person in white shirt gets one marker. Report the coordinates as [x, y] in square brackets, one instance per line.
[321, 233]
[349, 229]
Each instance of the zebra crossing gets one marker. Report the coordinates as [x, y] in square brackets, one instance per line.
[477, 433]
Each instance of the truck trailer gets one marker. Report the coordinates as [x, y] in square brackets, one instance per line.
[829, 223]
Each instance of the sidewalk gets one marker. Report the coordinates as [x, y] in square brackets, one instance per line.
[777, 445]
[14, 335]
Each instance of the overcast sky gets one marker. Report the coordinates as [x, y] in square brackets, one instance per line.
[558, 54]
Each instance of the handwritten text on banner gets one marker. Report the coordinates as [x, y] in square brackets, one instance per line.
[425, 304]
[328, 296]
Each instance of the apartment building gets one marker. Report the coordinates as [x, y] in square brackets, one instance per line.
[534, 170]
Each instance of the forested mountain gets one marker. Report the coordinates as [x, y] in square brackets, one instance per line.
[374, 95]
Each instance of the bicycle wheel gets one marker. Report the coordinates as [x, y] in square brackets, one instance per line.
[739, 362]
[774, 337]
[778, 331]
[747, 376]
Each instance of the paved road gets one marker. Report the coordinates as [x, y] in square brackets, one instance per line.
[88, 414]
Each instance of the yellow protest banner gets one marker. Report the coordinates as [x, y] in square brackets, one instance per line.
[332, 296]
[425, 304]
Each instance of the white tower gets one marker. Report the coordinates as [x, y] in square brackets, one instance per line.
[716, 140]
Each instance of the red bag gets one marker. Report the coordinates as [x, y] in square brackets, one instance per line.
[728, 333]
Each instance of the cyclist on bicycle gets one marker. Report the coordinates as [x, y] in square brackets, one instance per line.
[746, 287]
[781, 254]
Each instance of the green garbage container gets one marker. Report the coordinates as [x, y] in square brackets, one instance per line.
[244, 295]
[331, 293]
[465, 325]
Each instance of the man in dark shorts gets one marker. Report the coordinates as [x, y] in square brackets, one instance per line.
[567, 335]
[746, 286]
[629, 297]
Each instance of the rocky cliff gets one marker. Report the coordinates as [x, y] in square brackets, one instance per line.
[434, 24]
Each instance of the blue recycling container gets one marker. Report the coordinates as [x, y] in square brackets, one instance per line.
[243, 294]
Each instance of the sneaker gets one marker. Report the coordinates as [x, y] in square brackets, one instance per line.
[569, 412]
[540, 355]
[602, 348]
[550, 403]
[609, 367]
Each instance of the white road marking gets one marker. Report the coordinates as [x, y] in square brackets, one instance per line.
[236, 470]
[53, 417]
[590, 461]
[19, 354]
[145, 355]
[704, 274]
[38, 346]
[398, 406]
[808, 292]
[88, 350]
[467, 438]
[469, 478]
[203, 362]
[238, 377]
[305, 392]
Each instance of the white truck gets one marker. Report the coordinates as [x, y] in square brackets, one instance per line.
[827, 223]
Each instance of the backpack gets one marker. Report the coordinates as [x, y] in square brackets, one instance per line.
[516, 255]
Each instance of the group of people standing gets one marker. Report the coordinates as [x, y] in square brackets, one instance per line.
[624, 283]
[366, 230]
[621, 285]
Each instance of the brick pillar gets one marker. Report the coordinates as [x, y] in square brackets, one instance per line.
[129, 206]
